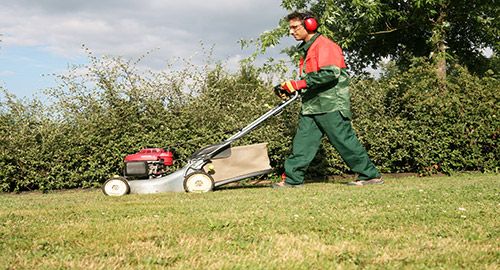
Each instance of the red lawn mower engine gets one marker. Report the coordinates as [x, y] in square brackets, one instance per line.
[148, 163]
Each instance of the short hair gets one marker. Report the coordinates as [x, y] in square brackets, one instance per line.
[299, 15]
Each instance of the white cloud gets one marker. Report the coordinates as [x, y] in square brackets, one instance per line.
[7, 73]
[233, 62]
[43, 36]
[131, 28]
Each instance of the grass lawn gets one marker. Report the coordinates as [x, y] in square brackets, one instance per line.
[407, 223]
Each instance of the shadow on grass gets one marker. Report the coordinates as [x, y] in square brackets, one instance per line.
[243, 185]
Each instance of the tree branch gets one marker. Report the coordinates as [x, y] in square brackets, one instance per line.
[383, 32]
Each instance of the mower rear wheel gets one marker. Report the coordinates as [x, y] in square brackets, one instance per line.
[116, 186]
[198, 182]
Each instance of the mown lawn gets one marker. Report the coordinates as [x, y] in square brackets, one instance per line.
[408, 223]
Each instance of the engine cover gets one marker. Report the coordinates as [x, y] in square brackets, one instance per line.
[152, 154]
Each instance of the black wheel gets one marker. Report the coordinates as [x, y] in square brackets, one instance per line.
[198, 182]
[116, 186]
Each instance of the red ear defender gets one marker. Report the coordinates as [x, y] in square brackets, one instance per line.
[310, 24]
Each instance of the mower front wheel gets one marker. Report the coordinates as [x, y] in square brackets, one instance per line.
[198, 182]
[116, 186]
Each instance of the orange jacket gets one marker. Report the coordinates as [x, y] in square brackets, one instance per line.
[323, 52]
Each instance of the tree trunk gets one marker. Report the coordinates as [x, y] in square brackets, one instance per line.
[439, 40]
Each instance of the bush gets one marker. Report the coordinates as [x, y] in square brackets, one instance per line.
[410, 124]
[108, 109]
[102, 112]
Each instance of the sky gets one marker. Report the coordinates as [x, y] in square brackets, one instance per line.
[42, 37]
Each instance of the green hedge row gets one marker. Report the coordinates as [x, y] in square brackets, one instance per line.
[79, 137]
[411, 124]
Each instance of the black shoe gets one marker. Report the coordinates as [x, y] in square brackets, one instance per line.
[281, 185]
[374, 181]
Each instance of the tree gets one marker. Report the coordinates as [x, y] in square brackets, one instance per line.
[372, 29]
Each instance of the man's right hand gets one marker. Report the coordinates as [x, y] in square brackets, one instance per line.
[280, 92]
[292, 86]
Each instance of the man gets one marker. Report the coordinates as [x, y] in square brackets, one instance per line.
[325, 106]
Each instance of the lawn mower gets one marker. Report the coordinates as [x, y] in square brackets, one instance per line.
[208, 168]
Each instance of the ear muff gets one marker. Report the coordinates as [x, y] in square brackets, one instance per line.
[310, 24]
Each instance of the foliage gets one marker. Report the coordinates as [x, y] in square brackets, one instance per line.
[108, 109]
[417, 127]
[101, 112]
[25, 137]
[408, 223]
[401, 30]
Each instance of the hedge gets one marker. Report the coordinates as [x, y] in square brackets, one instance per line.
[93, 119]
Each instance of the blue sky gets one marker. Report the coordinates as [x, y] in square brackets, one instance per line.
[26, 70]
[42, 37]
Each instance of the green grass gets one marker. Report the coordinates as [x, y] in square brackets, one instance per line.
[408, 223]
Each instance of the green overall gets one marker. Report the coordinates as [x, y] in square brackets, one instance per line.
[325, 111]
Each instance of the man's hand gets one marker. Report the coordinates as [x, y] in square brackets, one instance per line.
[292, 86]
[280, 92]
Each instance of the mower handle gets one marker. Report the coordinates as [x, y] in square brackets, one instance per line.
[274, 111]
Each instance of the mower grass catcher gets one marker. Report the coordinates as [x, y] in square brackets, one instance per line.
[210, 167]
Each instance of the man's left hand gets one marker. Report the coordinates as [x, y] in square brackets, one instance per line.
[292, 86]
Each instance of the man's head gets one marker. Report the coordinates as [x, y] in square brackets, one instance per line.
[302, 25]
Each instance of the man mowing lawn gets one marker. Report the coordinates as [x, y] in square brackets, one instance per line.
[324, 87]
